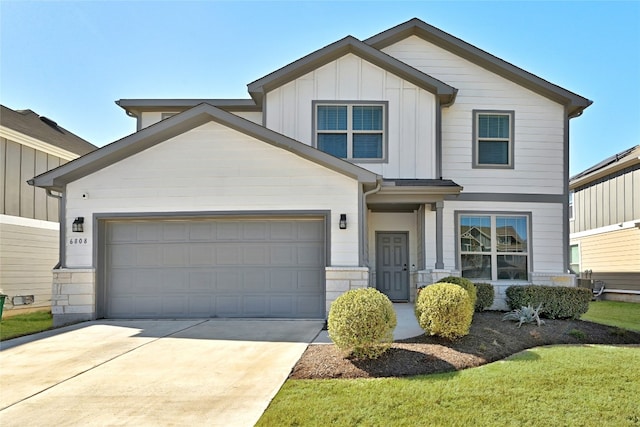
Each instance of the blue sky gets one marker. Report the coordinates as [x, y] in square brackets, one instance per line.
[71, 60]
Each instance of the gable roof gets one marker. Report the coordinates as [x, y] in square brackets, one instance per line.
[203, 113]
[43, 129]
[347, 45]
[574, 102]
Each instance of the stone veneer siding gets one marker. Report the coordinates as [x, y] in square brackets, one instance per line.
[342, 279]
[73, 296]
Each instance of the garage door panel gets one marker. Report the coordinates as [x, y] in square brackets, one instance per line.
[228, 305]
[175, 255]
[198, 281]
[307, 280]
[175, 231]
[215, 268]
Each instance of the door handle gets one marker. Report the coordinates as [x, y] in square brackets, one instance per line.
[404, 267]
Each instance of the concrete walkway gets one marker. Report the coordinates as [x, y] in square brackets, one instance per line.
[407, 326]
[181, 372]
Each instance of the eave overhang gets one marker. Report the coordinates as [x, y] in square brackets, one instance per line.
[134, 107]
[575, 103]
[406, 195]
[613, 164]
[58, 178]
[347, 45]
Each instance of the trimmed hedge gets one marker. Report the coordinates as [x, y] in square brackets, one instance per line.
[485, 294]
[361, 323]
[558, 302]
[465, 283]
[444, 309]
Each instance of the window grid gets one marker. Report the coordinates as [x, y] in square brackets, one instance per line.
[354, 135]
[484, 247]
[493, 139]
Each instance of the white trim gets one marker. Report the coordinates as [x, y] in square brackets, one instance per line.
[620, 291]
[607, 229]
[36, 144]
[28, 222]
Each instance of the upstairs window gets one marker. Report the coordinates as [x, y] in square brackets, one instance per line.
[571, 208]
[493, 139]
[354, 132]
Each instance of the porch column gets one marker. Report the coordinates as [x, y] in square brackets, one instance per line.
[439, 247]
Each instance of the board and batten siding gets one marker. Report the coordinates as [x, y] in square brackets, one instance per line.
[18, 164]
[411, 112]
[610, 200]
[545, 242]
[214, 169]
[538, 127]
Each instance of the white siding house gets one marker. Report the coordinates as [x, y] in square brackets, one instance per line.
[389, 162]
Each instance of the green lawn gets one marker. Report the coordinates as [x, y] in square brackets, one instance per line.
[613, 313]
[561, 385]
[25, 324]
[591, 385]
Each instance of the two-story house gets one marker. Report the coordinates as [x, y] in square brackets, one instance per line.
[364, 163]
[30, 144]
[604, 224]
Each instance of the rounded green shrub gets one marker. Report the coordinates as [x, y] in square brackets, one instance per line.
[465, 283]
[361, 323]
[444, 309]
[485, 294]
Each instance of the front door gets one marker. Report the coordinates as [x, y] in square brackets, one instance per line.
[392, 258]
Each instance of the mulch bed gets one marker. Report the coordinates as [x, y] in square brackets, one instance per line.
[490, 339]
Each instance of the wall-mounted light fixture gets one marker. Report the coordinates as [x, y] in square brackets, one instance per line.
[343, 221]
[78, 225]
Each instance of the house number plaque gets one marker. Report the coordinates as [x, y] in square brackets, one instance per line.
[77, 241]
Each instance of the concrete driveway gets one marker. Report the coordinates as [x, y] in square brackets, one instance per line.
[150, 372]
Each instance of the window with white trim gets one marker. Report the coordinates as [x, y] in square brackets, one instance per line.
[494, 247]
[571, 198]
[493, 139]
[574, 259]
[351, 131]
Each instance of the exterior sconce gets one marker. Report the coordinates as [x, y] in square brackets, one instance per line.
[343, 221]
[78, 225]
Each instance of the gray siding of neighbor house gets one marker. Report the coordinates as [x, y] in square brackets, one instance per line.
[612, 199]
[612, 256]
[17, 198]
[27, 252]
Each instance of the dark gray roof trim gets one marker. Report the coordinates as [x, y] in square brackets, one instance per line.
[350, 44]
[43, 129]
[576, 103]
[135, 105]
[56, 179]
[421, 182]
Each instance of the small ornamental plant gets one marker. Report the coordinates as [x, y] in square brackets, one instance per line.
[526, 314]
[361, 323]
[445, 310]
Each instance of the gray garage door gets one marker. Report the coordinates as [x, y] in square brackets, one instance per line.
[215, 268]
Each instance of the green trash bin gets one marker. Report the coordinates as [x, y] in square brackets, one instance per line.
[2, 297]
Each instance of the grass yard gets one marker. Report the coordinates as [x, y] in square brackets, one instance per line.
[589, 385]
[25, 324]
[614, 313]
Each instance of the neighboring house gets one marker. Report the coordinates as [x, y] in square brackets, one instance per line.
[605, 224]
[29, 228]
[361, 164]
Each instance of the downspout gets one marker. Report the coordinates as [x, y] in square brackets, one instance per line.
[62, 233]
[364, 250]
